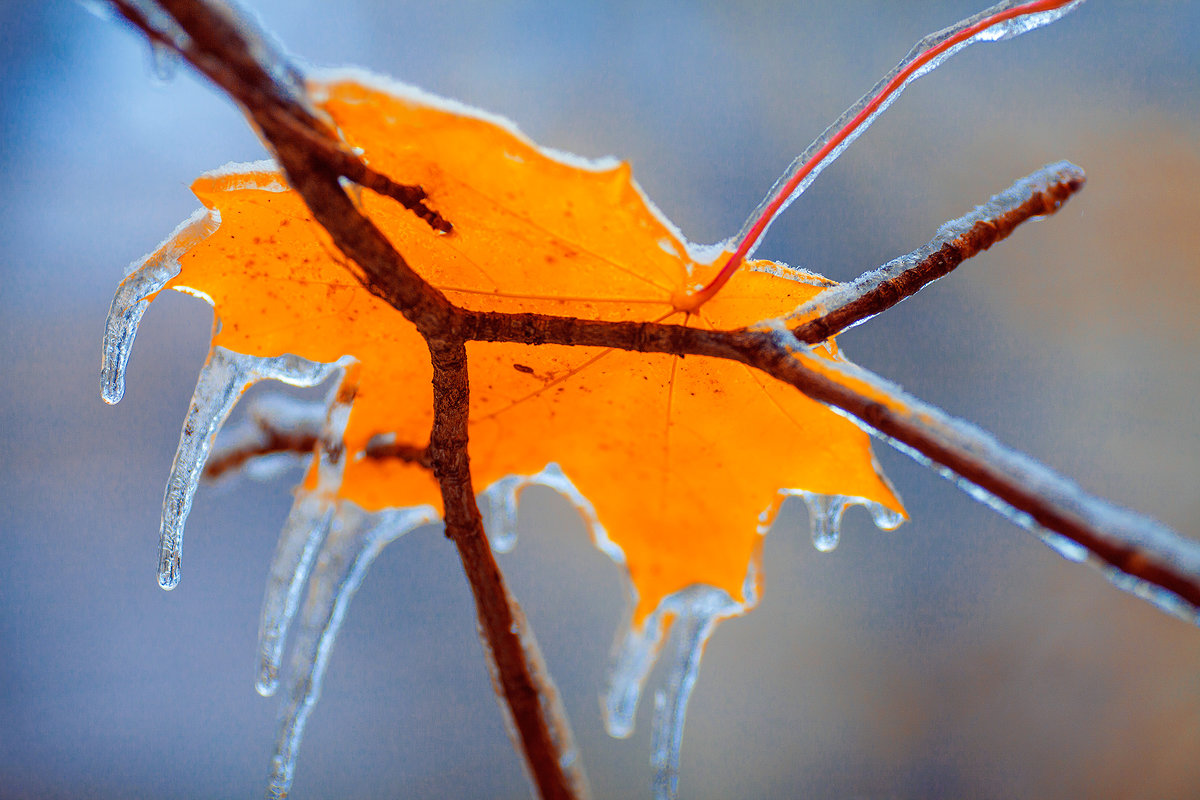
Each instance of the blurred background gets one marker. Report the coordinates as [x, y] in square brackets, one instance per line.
[954, 657]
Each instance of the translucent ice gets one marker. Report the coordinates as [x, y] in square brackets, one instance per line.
[355, 539]
[249, 446]
[224, 378]
[302, 535]
[142, 281]
[1128, 537]
[499, 508]
[825, 514]
[304, 532]
[697, 612]
[1001, 21]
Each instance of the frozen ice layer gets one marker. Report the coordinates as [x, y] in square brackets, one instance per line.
[1127, 537]
[1001, 21]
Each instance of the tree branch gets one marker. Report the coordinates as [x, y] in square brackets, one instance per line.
[539, 721]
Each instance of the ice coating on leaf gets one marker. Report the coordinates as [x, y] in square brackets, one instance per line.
[143, 280]
[500, 509]
[697, 611]
[355, 539]
[223, 379]
[841, 295]
[1001, 21]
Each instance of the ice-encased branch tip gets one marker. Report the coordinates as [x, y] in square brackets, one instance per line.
[1001, 21]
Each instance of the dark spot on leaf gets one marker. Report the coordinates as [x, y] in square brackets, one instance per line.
[523, 368]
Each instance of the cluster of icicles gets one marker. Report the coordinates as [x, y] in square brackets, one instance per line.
[327, 544]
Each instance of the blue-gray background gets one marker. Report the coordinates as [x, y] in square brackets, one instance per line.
[955, 657]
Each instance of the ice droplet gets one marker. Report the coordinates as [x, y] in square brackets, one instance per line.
[355, 539]
[143, 279]
[223, 379]
[825, 519]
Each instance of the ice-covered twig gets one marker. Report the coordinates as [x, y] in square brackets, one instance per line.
[278, 425]
[848, 304]
[240, 59]
[1136, 552]
[1001, 21]
[538, 718]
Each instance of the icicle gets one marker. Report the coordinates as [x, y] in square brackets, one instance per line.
[825, 519]
[698, 610]
[142, 281]
[224, 378]
[164, 62]
[355, 539]
[307, 525]
[635, 652]
[500, 511]
[302, 535]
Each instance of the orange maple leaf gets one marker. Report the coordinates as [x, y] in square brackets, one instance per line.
[681, 459]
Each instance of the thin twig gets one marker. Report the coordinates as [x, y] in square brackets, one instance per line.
[844, 306]
[271, 442]
[525, 688]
